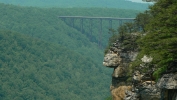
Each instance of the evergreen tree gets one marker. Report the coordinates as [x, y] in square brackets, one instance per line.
[161, 39]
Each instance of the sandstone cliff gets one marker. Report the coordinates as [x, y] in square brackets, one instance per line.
[140, 88]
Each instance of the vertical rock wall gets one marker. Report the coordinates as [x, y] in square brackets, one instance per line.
[118, 58]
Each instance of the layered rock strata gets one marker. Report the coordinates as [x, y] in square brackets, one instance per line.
[142, 87]
[118, 58]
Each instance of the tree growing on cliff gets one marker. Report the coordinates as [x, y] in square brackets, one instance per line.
[159, 24]
[128, 32]
[142, 19]
[161, 40]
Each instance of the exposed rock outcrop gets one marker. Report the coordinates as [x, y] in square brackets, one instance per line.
[142, 87]
[168, 81]
[129, 95]
[149, 91]
[119, 71]
[168, 85]
[112, 60]
[119, 58]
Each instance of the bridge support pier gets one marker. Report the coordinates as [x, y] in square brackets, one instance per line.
[72, 21]
[90, 28]
[81, 24]
[100, 35]
[110, 24]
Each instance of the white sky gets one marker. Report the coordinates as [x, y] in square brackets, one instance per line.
[139, 1]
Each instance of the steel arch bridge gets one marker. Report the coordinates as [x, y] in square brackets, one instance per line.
[91, 20]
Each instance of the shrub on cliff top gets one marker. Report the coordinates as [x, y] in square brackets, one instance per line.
[161, 40]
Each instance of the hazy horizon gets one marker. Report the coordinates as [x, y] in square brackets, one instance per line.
[120, 4]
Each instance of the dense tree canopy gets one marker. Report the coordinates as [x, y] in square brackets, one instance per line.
[158, 39]
[45, 58]
[161, 39]
[52, 59]
[34, 69]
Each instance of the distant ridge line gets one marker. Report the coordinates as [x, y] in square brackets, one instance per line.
[87, 17]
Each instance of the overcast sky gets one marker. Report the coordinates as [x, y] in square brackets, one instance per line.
[140, 1]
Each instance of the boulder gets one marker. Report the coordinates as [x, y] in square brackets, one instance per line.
[112, 60]
[168, 81]
[119, 72]
[145, 91]
[149, 91]
[137, 77]
[129, 95]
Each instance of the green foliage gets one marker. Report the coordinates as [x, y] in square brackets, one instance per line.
[161, 40]
[51, 60]
[112, 39]
[109, 98]
[157, 73]
[126, 34]
[35, 69]
[44, 24]
[142, 19]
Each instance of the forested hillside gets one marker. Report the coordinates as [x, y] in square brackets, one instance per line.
[121, 4]
[44, 58]
[34, 69]
[45, 24]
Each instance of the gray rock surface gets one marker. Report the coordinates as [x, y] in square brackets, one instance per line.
[137, 77]
[119, 72]
[129, 95]
[119, 59]
[149, 91]
[168, 81]
[142, 88]
[112, 60]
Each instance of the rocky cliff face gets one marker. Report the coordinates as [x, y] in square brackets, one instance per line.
[168, 86]
[142, 86]
[168, 81]
[119, 58]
